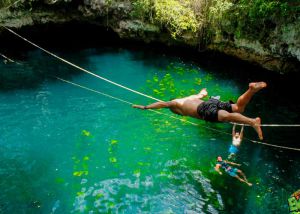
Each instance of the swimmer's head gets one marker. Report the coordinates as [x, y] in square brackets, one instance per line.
[237, 134]
[219, 158]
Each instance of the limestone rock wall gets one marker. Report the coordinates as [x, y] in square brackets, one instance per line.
[280, 53]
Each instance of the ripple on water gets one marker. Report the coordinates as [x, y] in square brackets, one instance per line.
[184, 191]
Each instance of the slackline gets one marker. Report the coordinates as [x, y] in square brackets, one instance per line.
[114, 83]
[173, 117]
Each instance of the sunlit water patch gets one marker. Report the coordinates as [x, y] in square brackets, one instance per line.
[182, 191]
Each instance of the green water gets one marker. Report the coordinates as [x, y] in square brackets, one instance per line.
[67, 150]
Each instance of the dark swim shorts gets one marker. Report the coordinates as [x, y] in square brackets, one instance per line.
[208, 110]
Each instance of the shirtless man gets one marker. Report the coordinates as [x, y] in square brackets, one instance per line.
[213, 110]
[234, 172]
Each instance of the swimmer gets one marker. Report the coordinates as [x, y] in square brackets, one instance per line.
[214, 110]
[237, 138]
[234, 172]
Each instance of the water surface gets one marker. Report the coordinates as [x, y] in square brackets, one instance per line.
[68, 150]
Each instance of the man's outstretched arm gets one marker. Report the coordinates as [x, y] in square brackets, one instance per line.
[156, 105]
[232, 163]
[217, 168]
[242, 132]
[233, 130]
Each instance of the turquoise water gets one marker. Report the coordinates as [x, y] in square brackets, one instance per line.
[68, 150]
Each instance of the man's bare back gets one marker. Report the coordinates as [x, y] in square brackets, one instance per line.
[188, 106]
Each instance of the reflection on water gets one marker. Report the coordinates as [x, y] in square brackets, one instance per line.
[69, 150]
[180, 192]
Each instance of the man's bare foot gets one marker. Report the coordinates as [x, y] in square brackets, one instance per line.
[256, 126]
[256, 86]
[249, 184]
[203, 92]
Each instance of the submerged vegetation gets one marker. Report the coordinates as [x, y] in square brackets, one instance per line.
[169, 83]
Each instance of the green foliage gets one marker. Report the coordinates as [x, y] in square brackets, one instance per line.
[143, 9]
[263, 9]
[176, 16]
[24, 4]
[253, 18]
[211, 18]
[206, 19]
[7, 3]
[217, 10]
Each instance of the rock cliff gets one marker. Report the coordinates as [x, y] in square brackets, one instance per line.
[279, 50]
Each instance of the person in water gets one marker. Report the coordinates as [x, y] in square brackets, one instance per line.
[237, 138]
[234, 172]
[214, 110]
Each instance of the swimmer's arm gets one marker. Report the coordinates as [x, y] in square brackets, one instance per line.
[233, 130]
[217, 168]
[242, 132]
[156, 105]
[233, 164]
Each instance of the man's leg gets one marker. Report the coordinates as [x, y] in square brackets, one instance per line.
[242, 180]
[224, 116]
[244, 99]
[242, 174]
[200, 95]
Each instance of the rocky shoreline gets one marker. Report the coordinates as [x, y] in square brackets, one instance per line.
[280, 53]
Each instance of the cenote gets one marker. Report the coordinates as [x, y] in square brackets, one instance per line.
[68, 150]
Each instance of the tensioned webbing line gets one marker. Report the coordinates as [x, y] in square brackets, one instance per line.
[5, 57]
[114, 83]
[182, 120]
[105, 79]
[271, 125]
[8, 59]
[267, 144]
[127, 102]
[80, 68]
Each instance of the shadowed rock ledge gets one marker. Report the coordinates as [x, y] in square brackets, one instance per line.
[279, 52]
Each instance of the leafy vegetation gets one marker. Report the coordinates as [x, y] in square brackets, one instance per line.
[211, 18]
[6, 3]
[253, 18]
[176, 15]
[24, 4]
[206, 20]
[143, 9]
